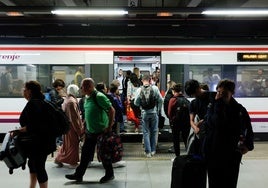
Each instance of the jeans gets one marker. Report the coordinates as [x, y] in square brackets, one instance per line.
[150, 130]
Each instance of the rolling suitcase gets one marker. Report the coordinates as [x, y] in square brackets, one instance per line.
[188, 171]
[11, 153]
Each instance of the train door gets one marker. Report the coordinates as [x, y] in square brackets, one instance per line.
[148, 63]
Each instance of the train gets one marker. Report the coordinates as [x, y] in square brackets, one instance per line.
[247, 65]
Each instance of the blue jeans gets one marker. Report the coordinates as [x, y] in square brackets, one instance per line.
[149, 129]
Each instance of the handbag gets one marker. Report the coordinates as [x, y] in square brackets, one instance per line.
[161, 121]
[109, 147]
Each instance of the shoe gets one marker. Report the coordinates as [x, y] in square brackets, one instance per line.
[72, 166]
[153, 153]
[60, 164]
[123, 131]
[105, 179]
[148, 155]
[136, 130]
[74, 177]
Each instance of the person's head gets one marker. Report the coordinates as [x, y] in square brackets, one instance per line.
[128, 73]
[177, 88]
[101, 87]
[73, 90]
[120, 72]
[146, 79]
[114, 89]
[87, 86]
[157, 73]
[225, 89]
[58, 84]
[170, 84]
[192, 88]
[260, 72]
[32, 90]
[115, 82]
[136, 70]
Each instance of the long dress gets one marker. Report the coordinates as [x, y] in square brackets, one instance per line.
[69, 151]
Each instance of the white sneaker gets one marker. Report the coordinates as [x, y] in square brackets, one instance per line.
[153, 153]
[148, 155]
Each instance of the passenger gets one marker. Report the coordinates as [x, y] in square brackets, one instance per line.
[258, 84]
[57, 95]
[229, 136]
[99, 119]
[211, 79]
[178, 114]
[79, 76]
[118, 106]
[7, 81]
[34, 121]
[57, 92]
[168, 96]
[133, 85]
[198, 110]
[149, 117]
[120, 77]
[125, 86]
[69, 151]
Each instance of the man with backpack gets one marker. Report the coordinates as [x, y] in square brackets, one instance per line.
[99, 119]
[150, 101]
[178, 114]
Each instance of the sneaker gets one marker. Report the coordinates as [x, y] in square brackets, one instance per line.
[153, 153]
[123, 131]
[72, 166]
[105, 179]
[59, 164]
[74, 177]
[148, 155]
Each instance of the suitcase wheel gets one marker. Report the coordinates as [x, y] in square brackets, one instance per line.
[10, 171]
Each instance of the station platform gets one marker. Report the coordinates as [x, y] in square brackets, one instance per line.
[137, 171]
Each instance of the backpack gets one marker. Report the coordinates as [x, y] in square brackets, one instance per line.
[60, 123]
[147, 97]
[181, 116]
[4, 82]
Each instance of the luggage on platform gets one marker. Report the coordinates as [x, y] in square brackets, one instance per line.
[188, 171]
[11, 153]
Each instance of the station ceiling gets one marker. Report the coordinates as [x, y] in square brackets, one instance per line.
[155, 19]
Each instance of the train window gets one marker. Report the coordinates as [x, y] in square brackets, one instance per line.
[206, 74]
[252, 81]
[13, 77]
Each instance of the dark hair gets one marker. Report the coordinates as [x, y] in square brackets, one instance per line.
[100, 86]
[35, 89]
[191, 86]
[146, 77]
[227, 85]
[135, 80]
[177, 87]
[58, 82]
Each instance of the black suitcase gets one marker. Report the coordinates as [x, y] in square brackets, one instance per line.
[188, 171]
[11, 153]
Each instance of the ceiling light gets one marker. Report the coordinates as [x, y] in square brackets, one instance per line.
[90, 12]
[237, 12]
[164, 14]
[14, 13]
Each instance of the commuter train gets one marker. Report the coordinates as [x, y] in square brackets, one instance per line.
[246, 65]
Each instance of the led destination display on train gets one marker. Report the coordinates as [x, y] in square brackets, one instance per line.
[243, 57]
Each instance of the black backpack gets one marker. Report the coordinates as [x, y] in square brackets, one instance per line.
[60, 123]
[147, 98]
[181, 117]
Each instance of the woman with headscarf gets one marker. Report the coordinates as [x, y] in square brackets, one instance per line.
[69, 151]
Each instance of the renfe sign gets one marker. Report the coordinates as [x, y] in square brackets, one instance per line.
[9, 57]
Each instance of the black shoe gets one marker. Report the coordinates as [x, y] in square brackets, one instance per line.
[105, 179]
[74, 177]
